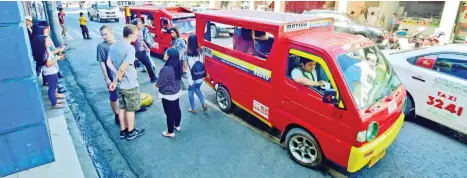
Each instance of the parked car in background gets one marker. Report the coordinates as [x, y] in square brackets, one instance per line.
[103, 11]
[345, 23]
[216, 28]
[436, 83]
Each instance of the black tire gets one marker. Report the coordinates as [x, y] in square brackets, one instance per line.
[231, 34]
[293, 138]
[214, 32]
[117, 20]
[409, 109]
[224, 101]
[99, 18]
[90, 16]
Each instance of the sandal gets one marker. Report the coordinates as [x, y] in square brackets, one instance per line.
[167, 134]
[192, 111]
[58, 106]
[205, 108]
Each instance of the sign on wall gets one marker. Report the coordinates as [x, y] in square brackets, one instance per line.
[126, 3]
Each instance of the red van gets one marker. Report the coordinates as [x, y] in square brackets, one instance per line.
[157, 18]
[331, 95]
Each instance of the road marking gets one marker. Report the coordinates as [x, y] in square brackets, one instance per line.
[276, 140]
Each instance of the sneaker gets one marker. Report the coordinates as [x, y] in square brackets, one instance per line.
[135, 133]
[124, 134]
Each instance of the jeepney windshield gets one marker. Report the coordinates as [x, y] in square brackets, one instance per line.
[368, 75]
[185, 25]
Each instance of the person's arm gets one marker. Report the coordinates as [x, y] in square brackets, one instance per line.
[100, 55]
[129, 58]
[111, 65]
[50, 63]
[298, 77]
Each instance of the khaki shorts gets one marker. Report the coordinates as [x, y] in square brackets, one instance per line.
[63, 29]
[129, 99]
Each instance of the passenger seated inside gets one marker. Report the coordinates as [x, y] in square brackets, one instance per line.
[164, 26]
[245, 43]
[306, 74]
[263, 42]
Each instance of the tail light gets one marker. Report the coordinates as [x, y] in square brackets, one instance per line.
[369, 134]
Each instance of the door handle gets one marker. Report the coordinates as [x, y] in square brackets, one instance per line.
[418, 78]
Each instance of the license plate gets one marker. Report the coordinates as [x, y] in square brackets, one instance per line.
[376, 158]
[392, 107]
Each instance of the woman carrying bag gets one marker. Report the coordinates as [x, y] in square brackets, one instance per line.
[169, 85]
[194, 58]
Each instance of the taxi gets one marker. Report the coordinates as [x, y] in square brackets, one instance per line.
[436, 82]
[332, 96]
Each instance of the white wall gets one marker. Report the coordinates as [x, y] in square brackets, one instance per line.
[448, 18]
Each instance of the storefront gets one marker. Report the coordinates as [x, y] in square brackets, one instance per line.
[416, 14]
[461, 22]
[301, 6]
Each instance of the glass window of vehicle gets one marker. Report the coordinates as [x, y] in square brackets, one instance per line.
[452, 64]
[303, 67]
[148, 19]
[103, 6]
[368, 75]
[185, 25]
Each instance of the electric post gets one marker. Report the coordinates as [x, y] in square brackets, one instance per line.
[55, 28]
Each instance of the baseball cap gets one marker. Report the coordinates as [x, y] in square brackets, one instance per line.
[28, 18]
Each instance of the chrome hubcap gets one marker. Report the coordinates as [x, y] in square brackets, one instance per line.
[303, 149]
[222, 99]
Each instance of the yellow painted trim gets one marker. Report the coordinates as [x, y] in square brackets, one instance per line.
[325, 67]
[252, 113]
[357, 159]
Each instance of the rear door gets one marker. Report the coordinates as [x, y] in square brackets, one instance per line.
[438, 85]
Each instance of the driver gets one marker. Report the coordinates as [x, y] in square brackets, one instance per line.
[305, 74]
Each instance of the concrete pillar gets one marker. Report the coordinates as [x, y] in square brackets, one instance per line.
[24, 136]
[448, 18]
[55, 28]
[252, 5]
[279, 6]
[342, 7]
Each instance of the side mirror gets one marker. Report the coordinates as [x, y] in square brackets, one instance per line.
[329, 96]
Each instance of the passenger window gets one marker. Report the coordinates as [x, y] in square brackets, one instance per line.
[164, 23]
[133, 16]
[452, 64]
[308, 72]
[148, 19]
[255, 43]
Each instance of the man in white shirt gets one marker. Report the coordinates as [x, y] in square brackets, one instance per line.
[305, 74]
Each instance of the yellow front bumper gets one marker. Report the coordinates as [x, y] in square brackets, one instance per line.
[357, 158]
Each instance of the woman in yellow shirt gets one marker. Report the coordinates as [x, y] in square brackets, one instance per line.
[84, 28]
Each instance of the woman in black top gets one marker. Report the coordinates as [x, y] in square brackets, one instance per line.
[170, 90]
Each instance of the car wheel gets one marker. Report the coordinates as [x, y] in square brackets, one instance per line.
[117, 20]
[90, 16]
[409, 109]
[99, 18]
[223, 99]
[303, 148]
[231, 34]
[214, 32]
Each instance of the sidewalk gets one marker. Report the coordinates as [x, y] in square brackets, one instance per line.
[71, 157]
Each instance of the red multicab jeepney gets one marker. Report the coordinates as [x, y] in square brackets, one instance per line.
[157, 18]
[350, 121]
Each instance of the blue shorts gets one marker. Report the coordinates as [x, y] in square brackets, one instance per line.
[113, 95]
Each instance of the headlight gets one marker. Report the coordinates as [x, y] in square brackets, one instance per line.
[372, 131]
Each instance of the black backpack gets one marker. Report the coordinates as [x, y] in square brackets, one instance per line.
[198, 71]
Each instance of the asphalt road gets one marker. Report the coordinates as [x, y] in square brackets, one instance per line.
[214, 144]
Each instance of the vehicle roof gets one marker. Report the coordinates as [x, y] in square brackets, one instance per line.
[148, 7]
[324, 11]
[460, 48]
[262, 17]
[333, 42]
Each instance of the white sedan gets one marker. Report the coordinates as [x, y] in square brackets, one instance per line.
[436, 82]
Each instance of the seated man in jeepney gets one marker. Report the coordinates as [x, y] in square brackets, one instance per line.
[306, 74]
[164, 26]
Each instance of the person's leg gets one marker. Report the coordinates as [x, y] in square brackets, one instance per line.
[87, 32]
[123, 125]
[52, 81]
[113, 97]
[144, 58]
[177, 114]
[132, 99]
[200, 96]
[44, 81]
[191, 97]
[169, 113]
[82, 31]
